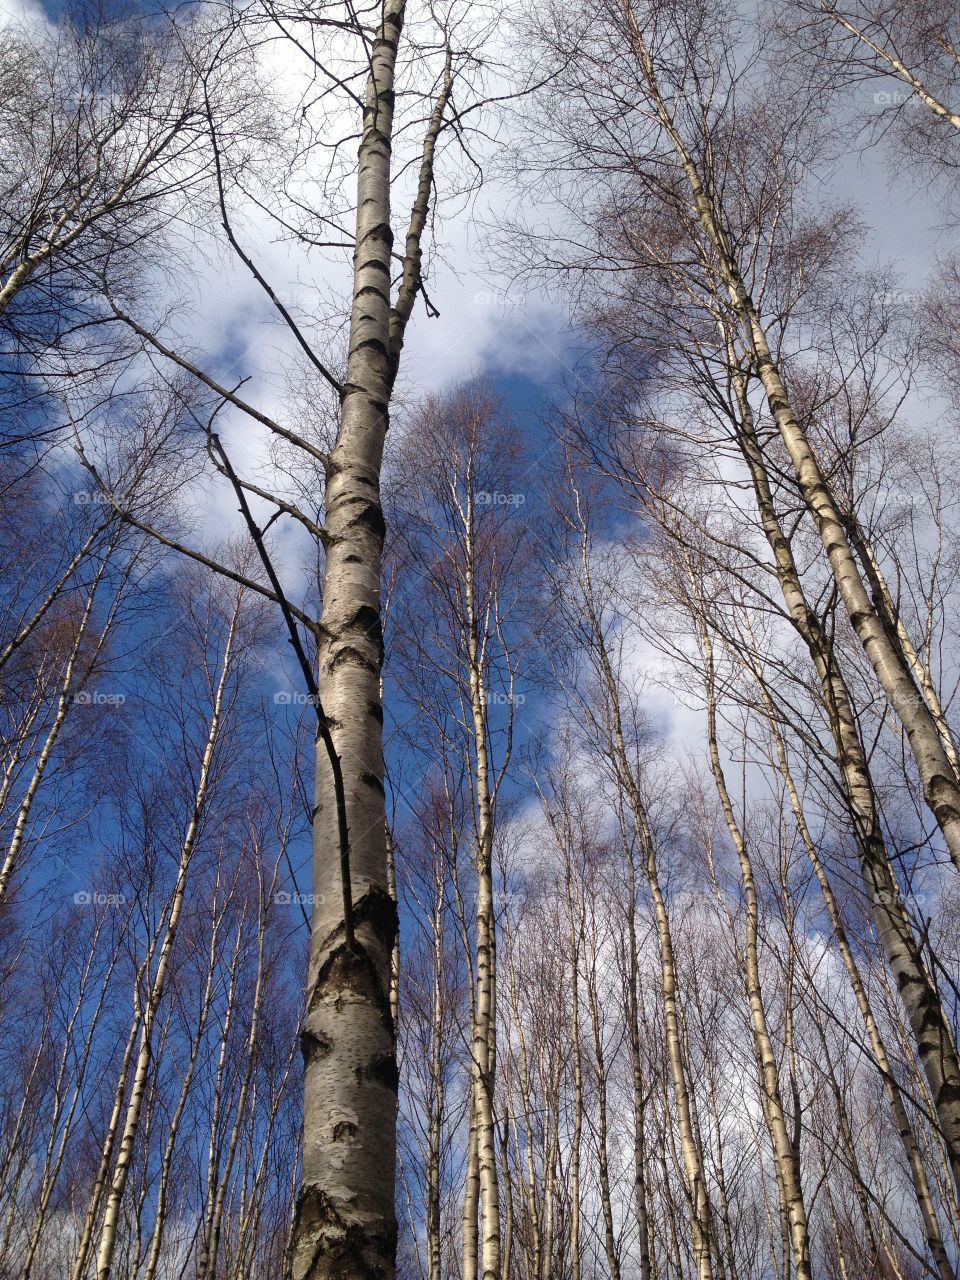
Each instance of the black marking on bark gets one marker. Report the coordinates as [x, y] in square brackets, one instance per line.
[370, 344]
[382, 1070]
[944, 809]
[374, 289]
[340, 1250]
[373, 781]
[382, 231]
[350, 389]
[372, 264]
[376, 710]
[351, 559]
[370, 514]
[343, 1129]
[346, 655]
[355, 388]
[313, 1044]
[367, 619]
[355, 972]
[377, 908]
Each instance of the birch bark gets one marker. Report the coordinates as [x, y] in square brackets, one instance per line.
[345, 1222]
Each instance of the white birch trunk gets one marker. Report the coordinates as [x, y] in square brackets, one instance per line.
[345, 1221]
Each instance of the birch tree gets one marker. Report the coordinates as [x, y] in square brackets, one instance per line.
[681, 141]
[346, 1209]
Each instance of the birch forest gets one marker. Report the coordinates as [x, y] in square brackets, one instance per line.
[479, 641]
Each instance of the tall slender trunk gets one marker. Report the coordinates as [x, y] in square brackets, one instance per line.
[345, 1219]
[574, 940]
[85, 1243]
[72, 1067]
[892, 1089]
[786, 1157]
[534, 1235]
[392, 889]
[166, 1162]
[640, 1094]
[485, 1007]
[217, 1193]
[701, 1229]
[470, 1209]
[506, 1185]
[65, 699]
[345, 1223]
[436, 1091]
[700, 1211]
[639, 1091]
[932, 1032]
[157, 980]
[603, 1137]
[551, 1153]
[851, 1159]
[725, 1259]
[941, 786]
[470, 1216]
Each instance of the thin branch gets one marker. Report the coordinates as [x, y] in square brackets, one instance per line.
[290, 436]
[323, 726]
[412, 281]
[255, 270]
[129, 518]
